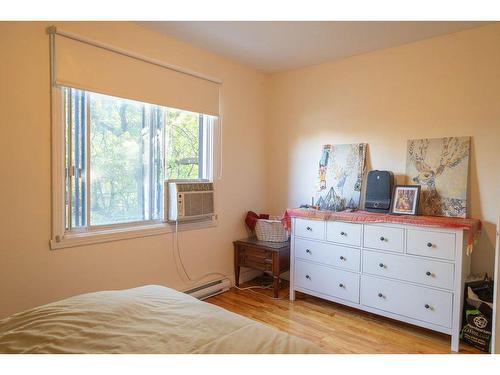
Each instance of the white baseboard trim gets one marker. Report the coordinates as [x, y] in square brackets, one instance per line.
[246, 274]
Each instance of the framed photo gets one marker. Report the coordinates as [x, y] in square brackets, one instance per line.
[405, 199]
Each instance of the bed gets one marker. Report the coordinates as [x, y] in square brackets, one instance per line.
[148, 319]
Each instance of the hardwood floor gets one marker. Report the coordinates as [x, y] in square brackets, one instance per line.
[333, 327]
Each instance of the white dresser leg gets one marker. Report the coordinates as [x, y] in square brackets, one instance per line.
[292, 293]
[455, 342]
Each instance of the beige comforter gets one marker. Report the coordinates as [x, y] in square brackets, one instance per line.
[149, 319]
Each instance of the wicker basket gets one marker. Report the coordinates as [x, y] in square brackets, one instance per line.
[271, 231]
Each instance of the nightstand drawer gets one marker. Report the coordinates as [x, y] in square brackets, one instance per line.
[431, 244]
[314, 229]
[325, 280]
[422, 271]
[384, 238]
[254, 252]
[343, 233]
[428, 305]
[329, 254]
[255, 258]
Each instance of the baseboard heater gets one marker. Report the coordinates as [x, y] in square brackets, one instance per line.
[211, 289]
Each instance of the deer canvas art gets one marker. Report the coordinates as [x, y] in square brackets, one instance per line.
[440, 167]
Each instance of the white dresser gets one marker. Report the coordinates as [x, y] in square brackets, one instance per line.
[410, 273]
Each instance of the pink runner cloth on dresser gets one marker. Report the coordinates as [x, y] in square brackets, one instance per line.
[472, 226]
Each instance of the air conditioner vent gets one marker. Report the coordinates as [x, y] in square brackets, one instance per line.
[208, 202]
[185, 201]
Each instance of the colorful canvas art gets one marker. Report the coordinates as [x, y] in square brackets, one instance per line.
[440, 167]
[341, 170]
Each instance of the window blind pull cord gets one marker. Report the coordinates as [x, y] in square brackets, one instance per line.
[219, 172]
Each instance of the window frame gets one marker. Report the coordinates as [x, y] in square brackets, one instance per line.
[63, 238]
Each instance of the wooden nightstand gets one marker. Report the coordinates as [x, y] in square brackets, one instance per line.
[273, 258]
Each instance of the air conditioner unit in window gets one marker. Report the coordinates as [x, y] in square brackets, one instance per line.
[188, 200]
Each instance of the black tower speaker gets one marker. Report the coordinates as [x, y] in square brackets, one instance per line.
[379, 191]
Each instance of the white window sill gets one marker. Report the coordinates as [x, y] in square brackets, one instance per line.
[94, 236]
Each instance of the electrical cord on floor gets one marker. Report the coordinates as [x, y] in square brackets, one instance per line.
[191, 281]
[250, 289]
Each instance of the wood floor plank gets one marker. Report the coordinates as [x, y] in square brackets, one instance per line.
[333, 327]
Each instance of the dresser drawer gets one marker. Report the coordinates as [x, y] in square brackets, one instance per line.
[415, 302]
[422, 271]
[310, 228]
[329, 254]
[384, 238]
[325, 280]
[431, 244]
[343, 233]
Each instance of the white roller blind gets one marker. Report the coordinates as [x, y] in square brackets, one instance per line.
[81, 65]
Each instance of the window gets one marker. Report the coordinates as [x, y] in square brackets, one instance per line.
[110, 155]
[118, 152]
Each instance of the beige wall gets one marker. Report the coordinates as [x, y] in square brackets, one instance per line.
[30, 273]
[445, 86]
[273, 129]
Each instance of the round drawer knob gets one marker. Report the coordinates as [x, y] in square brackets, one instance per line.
[381, 265]
[308, 251]
[308, 277]
[428, 273]
[382, 239]
[427, 306]
[343, 233]
[380, 295]
[309, 228]
[429, 244]
[342, 258]
[341, 285]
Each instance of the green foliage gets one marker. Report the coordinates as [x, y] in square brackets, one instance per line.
[117, 168]
[182, 145]
[133, 147]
